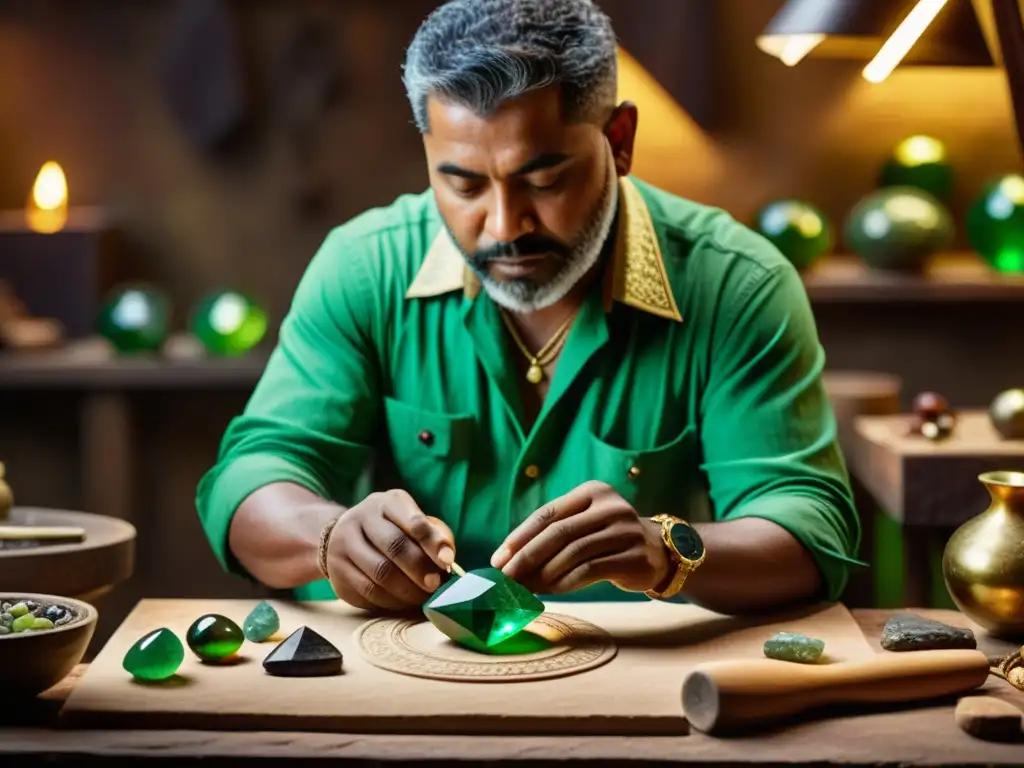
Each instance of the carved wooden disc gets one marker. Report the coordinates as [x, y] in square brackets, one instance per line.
[552, 646]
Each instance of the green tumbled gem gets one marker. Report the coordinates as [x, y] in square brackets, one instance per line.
[995, 224]
[482, 609]
[18, 609]
[798, 229]
[135, 319]
[229, 323]
[899, 228]
[214, 637]
[23, 622]
[42, 622]
[790, 647]
[156, 656]
[921, 162]
[261, 624]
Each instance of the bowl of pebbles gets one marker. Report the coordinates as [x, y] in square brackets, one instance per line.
[42, 638]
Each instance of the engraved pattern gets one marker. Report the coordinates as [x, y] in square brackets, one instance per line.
[646, 285]
[385, 643]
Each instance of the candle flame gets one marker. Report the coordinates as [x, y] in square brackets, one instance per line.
[48, 206]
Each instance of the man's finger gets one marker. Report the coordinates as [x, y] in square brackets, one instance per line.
[384, 576]
[590, 572]
[570, 504]
[357, 589]
[407, 555]
[596, 545]
[400, 508]
[558, 536]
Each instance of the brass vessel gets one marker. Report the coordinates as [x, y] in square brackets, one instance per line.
[6, 496]
[983, 562]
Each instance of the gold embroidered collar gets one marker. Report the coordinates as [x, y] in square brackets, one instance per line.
[637, 278]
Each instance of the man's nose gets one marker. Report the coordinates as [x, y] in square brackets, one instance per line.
[508, 218]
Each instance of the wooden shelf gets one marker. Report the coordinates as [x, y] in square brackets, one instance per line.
[947, 278]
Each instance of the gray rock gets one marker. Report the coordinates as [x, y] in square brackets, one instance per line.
[909, 632]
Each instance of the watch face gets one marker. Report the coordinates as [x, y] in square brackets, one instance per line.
[688, 542]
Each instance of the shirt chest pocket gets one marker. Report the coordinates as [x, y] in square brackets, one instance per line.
[431, 453]
[664, 479]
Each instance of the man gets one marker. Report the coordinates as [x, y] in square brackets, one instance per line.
[605, 390]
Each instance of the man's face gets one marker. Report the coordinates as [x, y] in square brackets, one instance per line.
[528, 198]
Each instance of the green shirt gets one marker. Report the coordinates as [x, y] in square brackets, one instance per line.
[690, 382]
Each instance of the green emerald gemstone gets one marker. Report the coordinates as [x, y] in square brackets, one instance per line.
[921, 162]
[798, 229]
[156, 656]
[229, 323]
[482, 609]
[214, 637]
[898, 228]
[995, 224]
[261, 623]
[135, 320]
[786, 646]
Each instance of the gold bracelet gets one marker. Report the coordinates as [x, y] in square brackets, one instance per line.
[325, 540]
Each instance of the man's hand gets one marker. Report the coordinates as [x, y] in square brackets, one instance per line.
[386, 553]
[591, 534]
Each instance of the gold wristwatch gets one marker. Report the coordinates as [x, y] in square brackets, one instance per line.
[686, 549]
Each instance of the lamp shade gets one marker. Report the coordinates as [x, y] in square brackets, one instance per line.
[857, 29]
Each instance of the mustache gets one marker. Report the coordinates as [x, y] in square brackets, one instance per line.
[527, 245]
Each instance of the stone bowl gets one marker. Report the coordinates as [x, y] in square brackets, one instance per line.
[34, 661]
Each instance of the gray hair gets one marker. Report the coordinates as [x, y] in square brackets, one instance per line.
[482, 53]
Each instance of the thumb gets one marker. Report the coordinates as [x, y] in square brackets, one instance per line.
[447, 553]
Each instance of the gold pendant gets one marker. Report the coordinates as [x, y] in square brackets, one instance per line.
[535, 374]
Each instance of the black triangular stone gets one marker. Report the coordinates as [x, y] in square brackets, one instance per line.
[303, 654]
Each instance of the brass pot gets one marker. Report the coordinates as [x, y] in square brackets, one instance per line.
[983, 562]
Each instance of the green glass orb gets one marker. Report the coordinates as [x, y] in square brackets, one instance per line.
[920, 162]
[229, 323]
[214, 637]
[135, 319]
[156, 656]
[898, 228]
[796, 228]
[995, 224]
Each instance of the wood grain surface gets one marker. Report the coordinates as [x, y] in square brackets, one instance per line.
[636, 693]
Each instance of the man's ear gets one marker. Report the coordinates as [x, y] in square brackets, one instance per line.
[621, 132]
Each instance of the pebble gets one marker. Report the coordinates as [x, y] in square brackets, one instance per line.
[787, 646]
[909, 632]
[18, 610]
[4, 630]
[31, 616]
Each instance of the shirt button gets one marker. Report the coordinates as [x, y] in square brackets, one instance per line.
[532, 471]
[633, 474]
[427, 438]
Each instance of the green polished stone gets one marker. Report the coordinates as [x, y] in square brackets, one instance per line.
[135, 319]
[798, 229]
[261, 623]
[214, 637]
[229, 323]
[921, 162]
[156, 656]
[995, 224]
[898, 228]
[23, 623]
[482, 609]
[786, 646]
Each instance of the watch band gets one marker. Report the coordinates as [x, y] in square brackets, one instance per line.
[684, 567]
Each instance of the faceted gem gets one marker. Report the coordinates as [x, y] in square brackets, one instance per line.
[798, 229]
[995, 224]
[482, 608]
[898, 228]
[907, 632]
[135, 319]
[155, 656]
[214, 637]
[229, 323]
[921, 162]
[261, 623]
[304, 653]
[786, 646]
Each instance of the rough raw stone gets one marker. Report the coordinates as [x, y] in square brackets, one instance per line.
[304, 654]
[786, 646]
[261, 623]
[908, 632]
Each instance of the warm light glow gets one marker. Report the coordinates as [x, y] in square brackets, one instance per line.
[920, 150]
[902, 40]
[48, 205]
[789, 49]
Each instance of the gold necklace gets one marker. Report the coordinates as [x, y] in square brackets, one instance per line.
[546, 354]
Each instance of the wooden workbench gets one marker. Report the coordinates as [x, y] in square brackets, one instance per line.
[925, 735]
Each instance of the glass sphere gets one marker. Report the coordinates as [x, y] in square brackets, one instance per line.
[135, 319]
[798, 229]
[898, 228]
[229, 323]
[995, 224]
[920, 162]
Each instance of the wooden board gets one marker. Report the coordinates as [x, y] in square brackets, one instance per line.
[637, 693]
